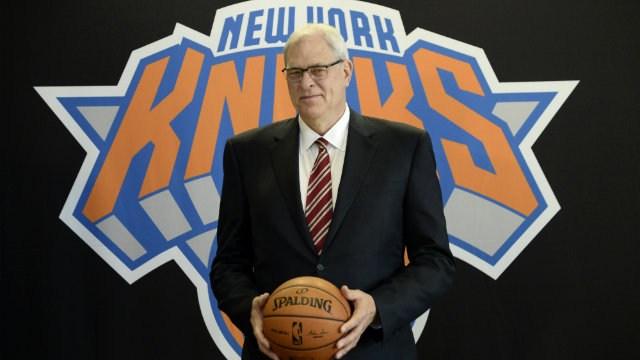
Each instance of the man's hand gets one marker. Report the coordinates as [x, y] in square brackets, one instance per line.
[256, 321]
[363, 314]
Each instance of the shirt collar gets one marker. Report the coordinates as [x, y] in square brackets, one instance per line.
[336, 136]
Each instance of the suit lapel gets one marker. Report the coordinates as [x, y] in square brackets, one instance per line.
[284, 160]
[361, 148]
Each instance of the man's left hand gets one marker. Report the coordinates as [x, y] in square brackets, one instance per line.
[363, 314]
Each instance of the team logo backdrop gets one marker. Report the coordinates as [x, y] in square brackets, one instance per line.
[148, 190]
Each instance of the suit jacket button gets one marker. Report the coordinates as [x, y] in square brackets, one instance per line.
[320, 267]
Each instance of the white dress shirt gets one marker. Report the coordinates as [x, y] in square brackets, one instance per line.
[308, 151]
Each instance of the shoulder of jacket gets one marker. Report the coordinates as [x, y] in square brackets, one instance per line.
[393, 127]
[263, 133]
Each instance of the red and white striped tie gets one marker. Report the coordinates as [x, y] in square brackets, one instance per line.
[319, 210]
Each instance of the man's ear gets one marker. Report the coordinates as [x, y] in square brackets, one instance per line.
[347, 68]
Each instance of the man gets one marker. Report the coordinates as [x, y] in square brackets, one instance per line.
[379, 195]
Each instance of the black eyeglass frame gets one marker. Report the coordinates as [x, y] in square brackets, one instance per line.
[302, 71]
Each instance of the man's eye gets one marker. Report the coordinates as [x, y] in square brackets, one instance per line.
[294, 72]
[317, 70]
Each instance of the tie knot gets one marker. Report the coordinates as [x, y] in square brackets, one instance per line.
[321, 143]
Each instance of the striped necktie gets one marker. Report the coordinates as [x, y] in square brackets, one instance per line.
[319, 210]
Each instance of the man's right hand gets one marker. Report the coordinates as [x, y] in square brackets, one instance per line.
[256, 321]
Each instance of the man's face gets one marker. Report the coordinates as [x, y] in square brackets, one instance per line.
[321, 101]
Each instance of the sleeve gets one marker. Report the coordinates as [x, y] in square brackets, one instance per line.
[231, 271]
[429, 274]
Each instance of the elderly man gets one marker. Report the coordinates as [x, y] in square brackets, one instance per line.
[336, 195]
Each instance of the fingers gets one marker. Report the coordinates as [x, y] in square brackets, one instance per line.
[352, 331]
[353, 296]
[349, 341]
[260, 301]
[363, 314]
[256, 319]
[257, 307]
[364, 308]
[347, 293]
[270, 354]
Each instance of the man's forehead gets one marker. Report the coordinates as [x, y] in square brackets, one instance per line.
[311, 40]
[311, 49]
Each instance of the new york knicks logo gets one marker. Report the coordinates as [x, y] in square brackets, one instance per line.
[148, 191]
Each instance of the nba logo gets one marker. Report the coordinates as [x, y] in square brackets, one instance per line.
[296, 333]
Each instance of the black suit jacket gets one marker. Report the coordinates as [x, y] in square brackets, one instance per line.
[389, 198]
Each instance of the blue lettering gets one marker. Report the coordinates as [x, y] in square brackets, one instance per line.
[342, 23]
[253, 27]
[384, 36]
[280, 35]
[361, 28]
[320, 15]
[232, 27]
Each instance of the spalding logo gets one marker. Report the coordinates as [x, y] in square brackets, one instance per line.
[318, 303]
[148, 191]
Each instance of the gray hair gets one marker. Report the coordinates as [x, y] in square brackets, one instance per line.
[331, 35]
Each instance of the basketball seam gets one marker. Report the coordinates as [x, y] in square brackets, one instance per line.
[305, 316]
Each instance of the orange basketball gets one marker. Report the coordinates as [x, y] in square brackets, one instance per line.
[302, 319]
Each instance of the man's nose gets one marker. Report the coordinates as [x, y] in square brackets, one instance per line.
[306, 79]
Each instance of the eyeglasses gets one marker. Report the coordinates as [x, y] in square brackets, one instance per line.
[316, 72]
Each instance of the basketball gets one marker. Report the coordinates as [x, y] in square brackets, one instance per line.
[302, 319]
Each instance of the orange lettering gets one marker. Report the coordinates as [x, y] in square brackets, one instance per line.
[141, 125]
[395, 108]
[282, 107]
[235, 332]
[243, 104]
[508, 185]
